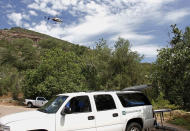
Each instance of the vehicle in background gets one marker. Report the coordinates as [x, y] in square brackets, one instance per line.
[86, 111]
[39, 102]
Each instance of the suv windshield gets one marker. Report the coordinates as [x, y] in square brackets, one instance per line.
[53, 105]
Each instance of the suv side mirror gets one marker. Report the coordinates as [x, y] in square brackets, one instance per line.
[66, 110]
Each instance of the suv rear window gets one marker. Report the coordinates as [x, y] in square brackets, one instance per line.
[133, 99]
[104, 102]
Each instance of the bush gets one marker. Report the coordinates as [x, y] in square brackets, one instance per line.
[57, 73]
[161, 103]
[181, 118]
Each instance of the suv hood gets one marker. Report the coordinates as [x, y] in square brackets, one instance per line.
[22, 116]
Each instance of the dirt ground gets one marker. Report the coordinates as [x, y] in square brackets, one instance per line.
[10, 109]
[6, 109]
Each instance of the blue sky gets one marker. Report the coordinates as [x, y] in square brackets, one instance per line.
[145, 23]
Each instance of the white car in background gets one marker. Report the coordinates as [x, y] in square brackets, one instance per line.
[86, 111]
[39, 102]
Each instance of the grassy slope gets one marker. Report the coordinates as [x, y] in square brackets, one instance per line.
[20, 33]
[17, 32]
[14, 49]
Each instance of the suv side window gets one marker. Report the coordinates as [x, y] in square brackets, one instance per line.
[104, 102]
[79, 104]
[133, 99]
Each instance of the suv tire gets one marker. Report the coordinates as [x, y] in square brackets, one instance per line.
[134, 127]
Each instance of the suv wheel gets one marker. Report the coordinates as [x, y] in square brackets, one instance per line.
[134, 127]
[29, 105]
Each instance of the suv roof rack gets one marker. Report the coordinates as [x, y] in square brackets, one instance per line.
[101, 91]
[132, 88]
[137, 88]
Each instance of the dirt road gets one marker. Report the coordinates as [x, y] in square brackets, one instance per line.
[5, 110]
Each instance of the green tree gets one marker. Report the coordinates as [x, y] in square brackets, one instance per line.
[7, 53]
[173, 68]
[96, 68]
[19, 53]
[10, 81]
[108, 69]
[58, 72]
[125, 65]
[49, 43]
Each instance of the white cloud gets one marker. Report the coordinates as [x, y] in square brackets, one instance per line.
[177, 15]
[42, 5]
[112, 18]
[33, 13]
[131, 36]
[17, 18]
[44, 27]
[147, 50]
[120, 18]
[26, 25]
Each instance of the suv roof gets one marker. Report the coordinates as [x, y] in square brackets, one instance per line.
[97, 92]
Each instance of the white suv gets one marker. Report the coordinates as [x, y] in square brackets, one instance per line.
[86, 111]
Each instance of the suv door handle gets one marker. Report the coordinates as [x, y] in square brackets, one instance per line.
[91, 117]
[115, 115]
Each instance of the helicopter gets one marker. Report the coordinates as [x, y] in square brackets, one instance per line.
[55, 19]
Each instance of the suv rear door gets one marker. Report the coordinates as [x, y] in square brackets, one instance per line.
[137, 105]
[107, 115]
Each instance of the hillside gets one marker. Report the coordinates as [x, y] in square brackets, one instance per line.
[21, 50]
[17, 32]
[39, 65]
[39, 39]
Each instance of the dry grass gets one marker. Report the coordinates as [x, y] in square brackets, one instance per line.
[8, 100]
[180, 118]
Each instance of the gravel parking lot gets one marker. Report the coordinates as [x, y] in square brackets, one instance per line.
[5, 110]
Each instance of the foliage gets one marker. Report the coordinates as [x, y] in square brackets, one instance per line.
[48, 43]
[150, 78]
[21, 55]
[96, 65]
[20, 52]
[107, 69]
[9, 81]
[181, 120]
[161, 103]
[172, 71]
[125, 65]
[98, 69]
[58, 72]
[47, 66]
